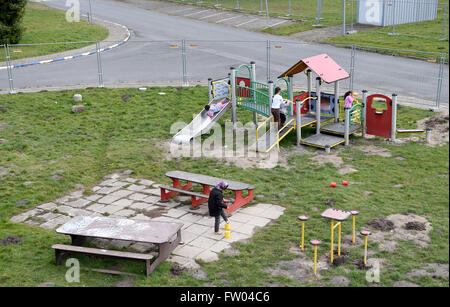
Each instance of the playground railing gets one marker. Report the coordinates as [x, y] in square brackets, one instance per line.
[356, 114]
[262, 125]
[278, 134]
[253, 100]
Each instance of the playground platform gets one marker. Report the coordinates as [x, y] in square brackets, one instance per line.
[323, 140]
[339, 128]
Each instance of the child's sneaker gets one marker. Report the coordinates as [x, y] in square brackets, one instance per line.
[218, 233]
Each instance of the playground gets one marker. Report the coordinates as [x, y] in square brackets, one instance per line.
[403, 182]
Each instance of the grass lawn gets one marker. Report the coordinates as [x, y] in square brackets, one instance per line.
[48, 25]
[41, 134]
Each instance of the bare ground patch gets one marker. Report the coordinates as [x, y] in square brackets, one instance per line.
[372, 150]
[439, 124]
[400, 227]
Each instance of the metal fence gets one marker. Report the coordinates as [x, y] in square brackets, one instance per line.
[188, 62]
[392, 16]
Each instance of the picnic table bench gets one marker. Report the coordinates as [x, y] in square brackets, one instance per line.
[81, 228]
[206, 181]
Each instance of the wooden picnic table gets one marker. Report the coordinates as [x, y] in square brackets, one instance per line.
[206, 181]
[159, 233]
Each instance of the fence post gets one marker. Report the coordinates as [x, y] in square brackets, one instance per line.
[217, 3]
[289, 11]
[261, 7]
[9, 69]
[319, 13]
[291, 93]
[343, 17]
[394, 18]
[183, 63]
[352, 66]
[90, 12]
[439, 83]
[394, 117]
[237, 5]
[444, 23]
[267, 14]
[99, 65]
[267, 60]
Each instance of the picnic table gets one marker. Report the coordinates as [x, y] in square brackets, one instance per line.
[159, 233]
[206, 181]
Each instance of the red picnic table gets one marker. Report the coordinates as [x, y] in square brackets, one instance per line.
[206, 182]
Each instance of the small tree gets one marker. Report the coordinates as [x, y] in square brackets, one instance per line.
[11, 16]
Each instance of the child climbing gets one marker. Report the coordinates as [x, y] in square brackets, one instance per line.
[216, 107]
[216, 205]
[275, 107]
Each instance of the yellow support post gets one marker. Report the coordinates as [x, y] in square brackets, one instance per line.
[332, 239]
[365, 233]
[303, 219]
[354, 214]
[315, 243]
[339, 239]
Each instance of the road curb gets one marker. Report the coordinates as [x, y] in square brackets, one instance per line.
[77, 55]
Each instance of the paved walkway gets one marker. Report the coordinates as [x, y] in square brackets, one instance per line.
[121, 196]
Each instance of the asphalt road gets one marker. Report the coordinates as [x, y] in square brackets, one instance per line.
[152, 56]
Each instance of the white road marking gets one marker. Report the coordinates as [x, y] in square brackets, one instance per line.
[249, 21]
[195, 13]
[278, 23]
[204, 17]
[228, 19]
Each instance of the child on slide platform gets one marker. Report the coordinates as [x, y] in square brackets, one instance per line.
[216, 107]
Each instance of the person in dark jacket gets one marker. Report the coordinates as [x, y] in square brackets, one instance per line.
[216, 205]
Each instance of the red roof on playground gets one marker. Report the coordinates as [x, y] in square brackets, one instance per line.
[323, 65]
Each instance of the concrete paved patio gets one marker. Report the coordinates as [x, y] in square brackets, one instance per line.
[121, 196]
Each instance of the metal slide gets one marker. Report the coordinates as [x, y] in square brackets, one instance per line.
[201, 124]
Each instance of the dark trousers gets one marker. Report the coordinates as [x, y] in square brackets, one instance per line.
[276, 116]
[217, 221]
[282, 119]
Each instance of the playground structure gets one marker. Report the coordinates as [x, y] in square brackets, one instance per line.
[375, 115]
[336, 216]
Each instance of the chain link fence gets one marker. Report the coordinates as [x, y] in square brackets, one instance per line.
[189, 62]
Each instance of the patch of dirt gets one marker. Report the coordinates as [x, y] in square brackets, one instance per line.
[339, 260]
[404, 284]
[3, 171]
[329, 202]
[127, 282]
[415, 226]
[11, 240]
[47, 285]
[393, 229]
[360, 264]
[367, 193]
[155, 212]
[339, 281]
[372, 150]
[299, 269]
[177, 270]
[434, 270]
[323, 159]
[380, 223]
[347, 169]
[439, 124]
[2, 125]
[198, 274]
[125, 97]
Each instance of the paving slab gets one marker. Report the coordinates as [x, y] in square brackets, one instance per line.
[207, 256]
[47, 206]
[80, 203]
[123, 203]
[202, 242]
[137, 196]
[187, 251]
